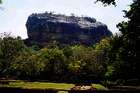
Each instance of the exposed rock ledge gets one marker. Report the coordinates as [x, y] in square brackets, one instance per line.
[48, 28]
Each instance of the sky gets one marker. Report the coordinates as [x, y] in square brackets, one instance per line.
[14, 13]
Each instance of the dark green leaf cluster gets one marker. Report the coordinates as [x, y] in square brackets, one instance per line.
[125, 52]
[107, 2]
[68, 64]
[9, 49]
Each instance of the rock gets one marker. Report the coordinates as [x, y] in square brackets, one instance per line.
[83, 87]
[47, 28]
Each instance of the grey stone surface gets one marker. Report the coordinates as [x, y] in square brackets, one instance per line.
[46, 28]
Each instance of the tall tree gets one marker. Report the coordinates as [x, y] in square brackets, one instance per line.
[129, 51]
[9, 49]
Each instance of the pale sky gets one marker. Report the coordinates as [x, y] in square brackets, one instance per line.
[14, 13]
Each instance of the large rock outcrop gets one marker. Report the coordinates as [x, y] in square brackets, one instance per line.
[47, 28]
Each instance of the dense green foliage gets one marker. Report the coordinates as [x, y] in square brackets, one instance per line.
[130, 53]
[72, 63]
[9, 49]
[124, 53]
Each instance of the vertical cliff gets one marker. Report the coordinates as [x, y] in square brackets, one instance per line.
[48, 28]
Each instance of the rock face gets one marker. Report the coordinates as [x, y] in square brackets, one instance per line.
[47, 28]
